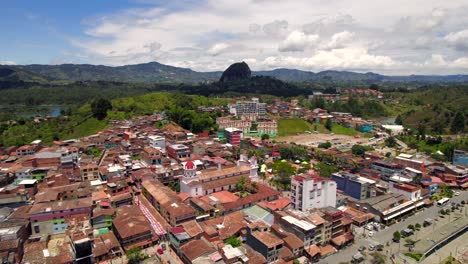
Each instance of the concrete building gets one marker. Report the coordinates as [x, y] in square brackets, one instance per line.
[233, 135]
[411, 192]
[460, 157]
[309, 191]
[158, 142]
[178, 151]
[249, 107]
[354, 185]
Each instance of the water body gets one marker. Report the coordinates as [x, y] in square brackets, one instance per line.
[40, 110]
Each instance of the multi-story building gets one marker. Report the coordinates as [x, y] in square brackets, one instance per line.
[387, 169]
[233, 135]
[249, 107]
[158, 142]
[269, 127]
[354, 185]
[178, 151]
[411, 192]
[167, 202]
[209, 181]
[309, 191]
[132, 229]
[224, 122]
[265, 243]
[49, 218]
[89, 172]
[151, 156]
[460, 157]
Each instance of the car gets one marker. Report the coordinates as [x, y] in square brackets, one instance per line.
[160, 251]
[163, 246]
[371, 248]
[362, 248]
[371, 234]
[457, 193]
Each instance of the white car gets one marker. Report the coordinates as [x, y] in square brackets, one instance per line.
[457, 193]
[371, 234]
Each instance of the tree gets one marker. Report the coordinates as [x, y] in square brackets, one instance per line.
[325, 145]
[241, 184]
[390, 142]
[233, 241]
[328, 124]
[324, 169]
[99, 108]
[409, 243]
[283, 172]
[265, 136]
[378, 258]
[458, 123]
[398, 120]
[411, 227]
[254, 187]
[360, 150]
[396, 236]
[135, 255]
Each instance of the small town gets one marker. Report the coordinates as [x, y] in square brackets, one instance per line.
[142, 191]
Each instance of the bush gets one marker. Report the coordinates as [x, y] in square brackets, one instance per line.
[325, 145]
[416, 256]
[417, 226]
[233, 241]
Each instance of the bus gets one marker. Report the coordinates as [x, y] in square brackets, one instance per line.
[443, 201]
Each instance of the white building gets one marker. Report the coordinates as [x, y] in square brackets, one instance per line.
[197, 183]
[310, 191]
[411, 192]
[248, 108]
[157, 142]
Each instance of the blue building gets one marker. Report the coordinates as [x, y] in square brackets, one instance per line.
[354, 185]
[460, 157]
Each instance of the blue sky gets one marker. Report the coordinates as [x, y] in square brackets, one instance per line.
[418, 37]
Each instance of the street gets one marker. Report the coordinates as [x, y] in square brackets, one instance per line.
[386, 235]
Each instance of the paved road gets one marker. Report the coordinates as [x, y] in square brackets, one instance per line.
[386, 235]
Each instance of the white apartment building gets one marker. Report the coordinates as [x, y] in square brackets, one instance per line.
[309, 191]
[156, 141]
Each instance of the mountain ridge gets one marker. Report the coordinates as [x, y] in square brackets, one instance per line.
[158, 72]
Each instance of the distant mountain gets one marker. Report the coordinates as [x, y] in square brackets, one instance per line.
[156, 72]
[235, 72]
[146, 72]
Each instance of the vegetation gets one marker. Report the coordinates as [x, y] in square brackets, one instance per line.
[287, 127]
[390, 142]
[283, 171]
[378, 258]
[445, 191]
[325, 145]
[416, 256]
[341, 130]
[135, 255]
[99, 108]
[294, 152]
[450, 260]
[396, 236]
[233, 241]
[325, 170]
[328, 124]
[360, 150]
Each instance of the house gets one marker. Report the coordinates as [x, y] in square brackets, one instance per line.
[151, 156]
[50, 218]
[132, 229]
[106, 247]
[102, 218]
[266, 243]
[89, 172]
[354, 185]
[199, 251]
[178, 151]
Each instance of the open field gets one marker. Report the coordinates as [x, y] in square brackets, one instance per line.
[314, 139]
[287, 127]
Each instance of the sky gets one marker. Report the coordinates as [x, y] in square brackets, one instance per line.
[397, 37]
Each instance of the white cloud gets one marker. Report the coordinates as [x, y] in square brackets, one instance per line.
[339, 40]
[297, 41]
[303, 34]
[6, 62]
[459, 39]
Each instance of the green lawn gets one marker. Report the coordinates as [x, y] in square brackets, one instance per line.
[288, 127]
[341, 130]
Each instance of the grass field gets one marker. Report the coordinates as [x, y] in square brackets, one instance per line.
[288, 127]
[341, 130]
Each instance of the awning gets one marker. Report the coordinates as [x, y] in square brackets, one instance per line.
[400, 213]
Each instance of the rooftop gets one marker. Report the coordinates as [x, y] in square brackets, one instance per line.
[267, 239]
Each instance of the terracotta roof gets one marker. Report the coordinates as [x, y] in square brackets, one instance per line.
[130, 221]
[192, 228]
[105, 243]
[267, 239]
[6, 245]
[293, 242]
[278, 204]
[262, 193]
[221, 182]
[206, 174]
[61, 205]
[313, 250]
[195, 249]
[326, 250]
